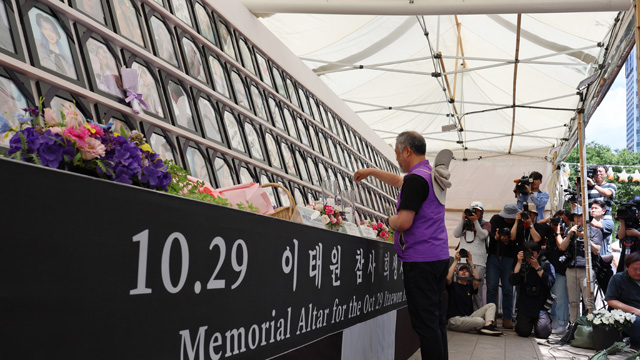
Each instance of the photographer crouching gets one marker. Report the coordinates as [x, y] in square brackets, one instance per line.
[535, 277]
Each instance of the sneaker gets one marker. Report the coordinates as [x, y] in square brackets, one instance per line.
[507, 324]
[491, 330]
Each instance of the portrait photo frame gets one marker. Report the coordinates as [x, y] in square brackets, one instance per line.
[182, 10]
[106, 115]
[245, 49]
[219, 75]
[208, 112]
[10, 43]
[196, 160]
[54, 53]
[128, 21]
[192, 58]
[15, 94]
[248, 168]
[95, 9]
[53, 97]
[162, 142]
[218, 161]
[205, 23]
[240, 90]
[272, 149]
[180, 104]
[102, 64]
[150, 86]
[234, 131]
[162, 39]
[255, 143]
[226, 39]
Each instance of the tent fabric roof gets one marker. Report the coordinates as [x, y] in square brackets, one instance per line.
[386, 68]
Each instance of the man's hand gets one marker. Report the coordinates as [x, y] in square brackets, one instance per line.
[520, 257]
[457, 256]
[473, 218]
[590, 182]
[533, 263]
[362, 174]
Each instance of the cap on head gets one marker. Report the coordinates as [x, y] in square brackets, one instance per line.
[509, 211]
[476, 205]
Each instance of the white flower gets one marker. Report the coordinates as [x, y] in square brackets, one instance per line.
[337, 208]
[319, 207]
[597, 321]
[590, 317]
[325, 219]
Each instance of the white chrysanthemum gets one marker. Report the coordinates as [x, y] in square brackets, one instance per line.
[590, 317]
[325, 219]
[597, 321]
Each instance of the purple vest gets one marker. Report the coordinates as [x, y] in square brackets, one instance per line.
[426, 239]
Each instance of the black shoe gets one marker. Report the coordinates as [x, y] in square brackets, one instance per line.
[490, 330]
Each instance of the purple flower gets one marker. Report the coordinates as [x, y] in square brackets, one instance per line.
[32, 111]
[51, 149]
[31, 143]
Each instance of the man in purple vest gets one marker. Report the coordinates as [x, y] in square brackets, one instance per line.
[421, 239]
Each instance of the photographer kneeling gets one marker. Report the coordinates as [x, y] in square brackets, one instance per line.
[535, 279]
[460, 314]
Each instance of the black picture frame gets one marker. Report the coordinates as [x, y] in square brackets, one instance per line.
[150, 86]
[226, 37]
[239, 90]
[162, 142]
[228, 161]
[162, 38]
[10, 43]
[182, 10]
[102, 64]
[253, 135]
[180, 104]
[201, 13]
[15, 94]
[108, 115]
[192, 54]
[219, 75]
[239, 166]
[208, 112]
[95, 9]
[123, 17]
[237, 141]
[53, 95]
[65, 63]
[248, 64]
[195, 164]
[270, 147]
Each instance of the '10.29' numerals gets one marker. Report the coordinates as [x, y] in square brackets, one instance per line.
[239, 260]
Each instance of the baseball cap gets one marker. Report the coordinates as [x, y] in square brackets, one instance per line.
[476, 205]
[577, 210]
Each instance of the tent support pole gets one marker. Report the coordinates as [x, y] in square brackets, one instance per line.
[451, 96]
[515, 83]
[582, 147]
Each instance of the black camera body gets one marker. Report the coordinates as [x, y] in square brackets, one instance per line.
[528, 254]
[525, 211]
[521, 185]
[504, 232]
[468, 223]
[591, 172]
[571, 195]
[555, 220]
[628, 212]
[463, 253]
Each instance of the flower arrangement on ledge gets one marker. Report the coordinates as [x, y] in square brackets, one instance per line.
[331, 215]
[611, 320]
[89, 148]
[382, 231]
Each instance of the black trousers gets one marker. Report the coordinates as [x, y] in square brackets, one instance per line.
[541, 326]
[424, 284]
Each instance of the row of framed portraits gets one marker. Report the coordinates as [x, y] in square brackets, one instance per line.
[242, 135]
[52, 42]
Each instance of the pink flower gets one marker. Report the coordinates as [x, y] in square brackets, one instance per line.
[374, 226]
[361, 222]
[49, 117]
[94, 130]
[328, 210]
[56, 130]
[380, 225]
[79, 136]
[93, 148]
[333, 220]
[384, 234]
[72, 116]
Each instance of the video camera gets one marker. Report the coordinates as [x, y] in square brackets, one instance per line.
[628, 211]
[571, 195]
[521, 185]
[591, 172]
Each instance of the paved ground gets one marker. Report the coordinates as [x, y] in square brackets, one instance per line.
[469, 346]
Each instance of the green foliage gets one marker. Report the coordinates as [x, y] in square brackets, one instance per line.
[181, 186]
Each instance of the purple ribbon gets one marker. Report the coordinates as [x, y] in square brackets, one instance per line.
[131, 96]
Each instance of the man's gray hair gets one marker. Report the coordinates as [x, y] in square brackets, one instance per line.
[413, 140]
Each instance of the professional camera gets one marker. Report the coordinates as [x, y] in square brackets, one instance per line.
[528, 254]
[463, 253]
[504, 232]
[556, 220]
[468, 224]
[525, 211]
[591, 172]
[628, 211]
[521, 185]
[564, 257]
[550, 300]
[571, 195]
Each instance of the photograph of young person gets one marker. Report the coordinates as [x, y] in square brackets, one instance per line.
[219, 79]
[246, 57]
[239, 90]
[128, 21]
[59, 104]
[93, 8]
[180, 106]
[161, 147]
[194, 61]
[147, 87]
[223, 173]
[197, 166]
[181, 11]
[227, 43]
[11, 101]
[264, 70]
[53, 48]
[105, 70]
[208, 116]
[163, 41]
[258, 102]
[6, 42]
[235, 138]
[204, 24]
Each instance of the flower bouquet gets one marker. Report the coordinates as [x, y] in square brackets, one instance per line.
[88, 148]
[611, 320]
[382, 231]
[331, 215]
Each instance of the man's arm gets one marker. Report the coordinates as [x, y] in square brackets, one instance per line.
[403, 220]
[616, 304]
[604, 191]
[388, 178]
[540, 199]
[452, 268]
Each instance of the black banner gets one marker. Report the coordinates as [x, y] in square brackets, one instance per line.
[91, 269]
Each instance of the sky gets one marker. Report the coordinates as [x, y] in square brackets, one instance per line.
[608, 124]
